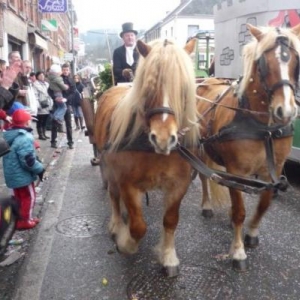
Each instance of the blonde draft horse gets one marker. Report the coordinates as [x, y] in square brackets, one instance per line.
[136, 130]
[262, 104]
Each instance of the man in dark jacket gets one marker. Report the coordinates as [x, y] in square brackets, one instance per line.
[68, 94]
[125, 58]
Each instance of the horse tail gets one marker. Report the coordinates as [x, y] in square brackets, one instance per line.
[219, 194]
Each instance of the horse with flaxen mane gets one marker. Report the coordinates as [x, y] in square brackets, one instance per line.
[136, 130]
[247, 127]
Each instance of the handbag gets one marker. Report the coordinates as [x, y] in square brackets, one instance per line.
[76, 99]
[44, 103]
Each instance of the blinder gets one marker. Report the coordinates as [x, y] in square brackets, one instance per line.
[285, 57]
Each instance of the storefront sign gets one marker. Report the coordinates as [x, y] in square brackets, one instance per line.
[53, 6]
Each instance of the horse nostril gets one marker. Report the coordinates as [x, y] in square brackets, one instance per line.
[153, 138]
[279, 112]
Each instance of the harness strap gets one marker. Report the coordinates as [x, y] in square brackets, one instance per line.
[250, 186]
[281, 182]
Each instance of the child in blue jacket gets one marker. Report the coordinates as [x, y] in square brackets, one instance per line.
[21, 167]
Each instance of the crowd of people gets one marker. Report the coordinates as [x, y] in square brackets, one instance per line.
[49, 98]
[46, 97]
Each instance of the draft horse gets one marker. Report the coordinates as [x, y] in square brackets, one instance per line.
[247, 127]
[136, 130]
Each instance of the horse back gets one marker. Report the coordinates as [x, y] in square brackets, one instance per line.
[212, 107]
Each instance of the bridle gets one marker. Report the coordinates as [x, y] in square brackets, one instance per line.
[263, 69]
[156, 111]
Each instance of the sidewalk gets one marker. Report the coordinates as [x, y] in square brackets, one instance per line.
[16, 253]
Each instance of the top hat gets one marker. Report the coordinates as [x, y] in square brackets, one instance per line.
[128, 27]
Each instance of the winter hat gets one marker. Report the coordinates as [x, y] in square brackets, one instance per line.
[20, 118]
[55, 68]
[16, 105]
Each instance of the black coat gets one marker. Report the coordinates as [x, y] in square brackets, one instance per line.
[70, 93]
[119, 63]
[7, 97]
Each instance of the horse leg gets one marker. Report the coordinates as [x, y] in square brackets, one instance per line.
[251, 238]
[165, 249]
[207, 211]
[131, 233]
[237, 250]
[116, 219]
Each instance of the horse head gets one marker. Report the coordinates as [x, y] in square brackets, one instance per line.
[165, 87]
[271, 64]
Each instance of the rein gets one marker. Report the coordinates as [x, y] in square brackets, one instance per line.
[244, 184]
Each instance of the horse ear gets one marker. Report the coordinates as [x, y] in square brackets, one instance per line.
[190, 45]
[296, 30]
[255, 31]
[143, 48]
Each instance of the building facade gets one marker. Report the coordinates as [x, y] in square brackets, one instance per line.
[181, 23]
[21, 30]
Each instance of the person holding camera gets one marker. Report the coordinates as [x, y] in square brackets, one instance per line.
[45, 104]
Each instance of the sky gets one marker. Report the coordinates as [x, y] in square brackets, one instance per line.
[111, 14]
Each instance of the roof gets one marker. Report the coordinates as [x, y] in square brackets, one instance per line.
[190, 8]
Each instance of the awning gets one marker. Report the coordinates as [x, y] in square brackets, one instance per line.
[37, 41]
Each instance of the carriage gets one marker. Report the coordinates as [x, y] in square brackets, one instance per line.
[148, 137]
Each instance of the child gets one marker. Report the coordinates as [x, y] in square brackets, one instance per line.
[56, 84]
[21, 167]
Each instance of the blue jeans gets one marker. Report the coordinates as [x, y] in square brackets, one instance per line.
[59, 112]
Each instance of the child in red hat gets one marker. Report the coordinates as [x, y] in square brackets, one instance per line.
[21, 167]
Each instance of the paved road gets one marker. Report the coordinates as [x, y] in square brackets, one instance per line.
[71, 256]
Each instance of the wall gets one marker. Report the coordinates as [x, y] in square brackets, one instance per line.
[231, 33]
[180, 27]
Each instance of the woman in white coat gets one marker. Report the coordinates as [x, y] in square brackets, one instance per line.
[45, 104]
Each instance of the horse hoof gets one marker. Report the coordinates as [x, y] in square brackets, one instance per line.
[207, 213]
[240, 265]
[171, 271]
[250, 241]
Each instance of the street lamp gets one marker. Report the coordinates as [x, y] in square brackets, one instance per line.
[72, 36]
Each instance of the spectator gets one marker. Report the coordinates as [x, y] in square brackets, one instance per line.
[125, 58]
[45, 104]
[2, 66]
[21, 167]
[8, 91]
[68, 94]
[32, 77]
[77, 111]
[26, 94]
[56, 84]
[13, 57]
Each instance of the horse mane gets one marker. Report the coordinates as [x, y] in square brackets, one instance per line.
[255, 49]
[166, 73]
